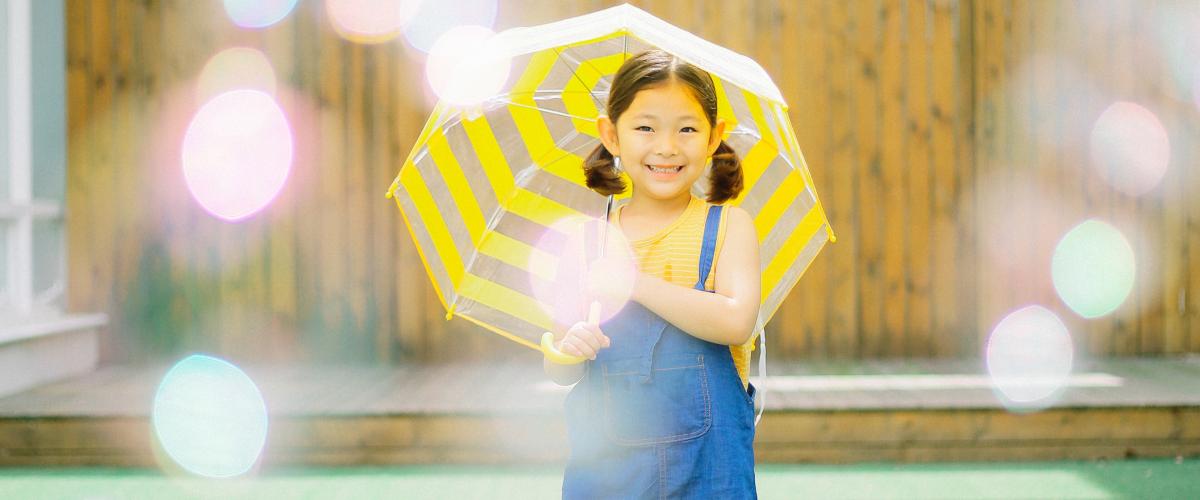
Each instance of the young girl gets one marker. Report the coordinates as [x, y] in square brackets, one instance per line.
[663, 407]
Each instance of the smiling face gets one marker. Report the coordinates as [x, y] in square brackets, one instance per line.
[663, 140]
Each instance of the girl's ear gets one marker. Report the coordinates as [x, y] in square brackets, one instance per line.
[715, 137]
[608, 135]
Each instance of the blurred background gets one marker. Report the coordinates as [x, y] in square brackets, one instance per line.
[1013, 180]
[954, 145]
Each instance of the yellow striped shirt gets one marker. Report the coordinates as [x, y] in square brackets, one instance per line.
[674, 255]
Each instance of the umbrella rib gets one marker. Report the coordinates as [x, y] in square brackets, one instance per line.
[559, 59]
[545, 110]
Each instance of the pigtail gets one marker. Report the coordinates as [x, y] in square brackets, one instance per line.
[600, 169]
[725, 177]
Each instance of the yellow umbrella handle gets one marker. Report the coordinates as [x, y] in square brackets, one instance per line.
[558, 357]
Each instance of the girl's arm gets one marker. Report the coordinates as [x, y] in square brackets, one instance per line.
[727, 316]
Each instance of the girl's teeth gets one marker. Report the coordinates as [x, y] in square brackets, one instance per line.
[663, 170]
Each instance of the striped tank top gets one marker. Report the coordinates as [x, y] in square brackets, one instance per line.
[674, 255]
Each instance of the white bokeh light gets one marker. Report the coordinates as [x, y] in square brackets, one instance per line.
[435, 18]
[235, 68]
[258, 13]
[237, 153]
[464, 69]
[1029, 358]
[371, 21]
[1129, 148]
[209, 417]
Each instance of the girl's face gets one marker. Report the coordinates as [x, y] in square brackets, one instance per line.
[663, 140]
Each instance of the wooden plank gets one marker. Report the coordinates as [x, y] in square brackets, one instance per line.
[945, 326]
[357, 259]
[965, 152]
[1070, 155]
[839, 70]
[989, 19]
[858, 150]
[1046, 108]
[1154, 300]
[895, 200]
[918, 230]
[1191, 184]
[1124, 208]
[385, 225]
[330, 209]
[829, 282]
[76, 231]
[1172, 251]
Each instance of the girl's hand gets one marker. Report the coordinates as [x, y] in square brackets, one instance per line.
[583, 339]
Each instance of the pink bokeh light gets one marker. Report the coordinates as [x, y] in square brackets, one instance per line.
[237, 154]
[568, 257]
[1130, 148]
[370, 21]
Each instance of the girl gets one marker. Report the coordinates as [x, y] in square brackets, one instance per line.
[663, 407]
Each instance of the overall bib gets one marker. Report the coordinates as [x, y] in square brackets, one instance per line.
[660, 413]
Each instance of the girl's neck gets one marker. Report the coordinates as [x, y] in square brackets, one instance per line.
[651, 208]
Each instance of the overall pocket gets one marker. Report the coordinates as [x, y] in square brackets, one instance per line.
[672, 406]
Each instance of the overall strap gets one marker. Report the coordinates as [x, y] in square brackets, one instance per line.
[708, 248]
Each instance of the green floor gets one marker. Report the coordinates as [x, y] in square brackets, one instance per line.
[1168, 479]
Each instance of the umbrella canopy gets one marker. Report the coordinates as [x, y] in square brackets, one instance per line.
[485, 183]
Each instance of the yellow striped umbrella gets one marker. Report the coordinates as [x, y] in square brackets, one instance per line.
[483, 184]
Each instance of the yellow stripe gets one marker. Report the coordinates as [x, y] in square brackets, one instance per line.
[780, 199]
[790, 251]
[459, 186]
[506, 300]
[535, 72]
[577, 95]
[428, 213]
[538, 208]
[753, 166]
[495, 165]
[519, 254]
[760, 121]
[540, 144]
[724, 109]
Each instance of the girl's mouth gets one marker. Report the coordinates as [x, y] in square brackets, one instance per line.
[666, 171]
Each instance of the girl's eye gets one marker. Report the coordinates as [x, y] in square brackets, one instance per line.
[689, 129]
[644, 128]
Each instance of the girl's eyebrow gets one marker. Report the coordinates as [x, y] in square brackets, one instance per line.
[648, 116]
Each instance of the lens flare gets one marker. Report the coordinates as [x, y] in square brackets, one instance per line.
[370, 21]
[237, 154]
[235, 68]
[433, 19]
[258, 13]
[1093, 268]
[210, 417]
[567, 257]
[464, 69]
[1029, 358]
[1129, 148]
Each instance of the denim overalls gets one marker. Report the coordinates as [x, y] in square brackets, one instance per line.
[660, 413]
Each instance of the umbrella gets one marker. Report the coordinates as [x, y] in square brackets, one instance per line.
[485, 182]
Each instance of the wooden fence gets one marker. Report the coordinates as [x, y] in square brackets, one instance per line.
[948, 140]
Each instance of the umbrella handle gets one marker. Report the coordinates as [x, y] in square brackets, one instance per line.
[558, 357]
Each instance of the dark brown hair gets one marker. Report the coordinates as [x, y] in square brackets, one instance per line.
[648, 69]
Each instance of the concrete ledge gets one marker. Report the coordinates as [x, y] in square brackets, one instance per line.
[46, 351]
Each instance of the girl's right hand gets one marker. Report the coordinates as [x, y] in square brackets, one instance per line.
[583, 339]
